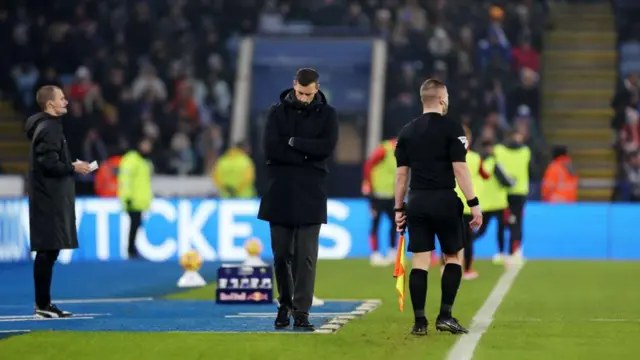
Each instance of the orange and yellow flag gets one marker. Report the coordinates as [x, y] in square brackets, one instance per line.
[399, 272]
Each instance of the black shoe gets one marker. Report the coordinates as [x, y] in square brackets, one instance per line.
[51, 312]
[301, 322]
[450, 324]
[420, 327]
[283, 319]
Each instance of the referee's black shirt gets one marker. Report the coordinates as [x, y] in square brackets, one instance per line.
[428, 145]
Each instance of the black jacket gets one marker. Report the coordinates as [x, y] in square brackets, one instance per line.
[296, 191]
[52, 215]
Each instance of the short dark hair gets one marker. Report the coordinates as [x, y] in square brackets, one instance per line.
[430, 89]
[511, 133]
[241, 144]
[45, 94]
[306, 76]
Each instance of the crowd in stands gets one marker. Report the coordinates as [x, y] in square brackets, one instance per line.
[489, 57]
[154, 69]
[626, 103]
[162, 69]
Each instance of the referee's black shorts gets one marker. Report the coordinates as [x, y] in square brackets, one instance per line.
[432, 213]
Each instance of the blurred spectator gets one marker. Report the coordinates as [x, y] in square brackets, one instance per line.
[148, 81]
[626, 126]
[630, 133]
[525, 56]
[525, 93]
[355, 18]
[560, 182]
[26, 77]
[632, 173]
[182, 160]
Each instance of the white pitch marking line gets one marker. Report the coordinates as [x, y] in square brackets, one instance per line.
[106, 300]
[39, 319]
[13, 331]
[263, 315]
[33, 316]
[464, 347]
[336, 323]
[310, 314]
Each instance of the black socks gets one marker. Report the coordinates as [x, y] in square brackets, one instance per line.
[42, 275]
[451, 278]
[418, 290]
[450, 283]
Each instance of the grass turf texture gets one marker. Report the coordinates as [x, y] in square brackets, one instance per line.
[549, 312]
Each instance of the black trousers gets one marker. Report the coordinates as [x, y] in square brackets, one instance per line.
[516, 208]
[295, 254]
[382, 207]
[42, 275]
[136, 222]
[499, 216]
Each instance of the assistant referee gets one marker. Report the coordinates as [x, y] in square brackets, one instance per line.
[434, 148]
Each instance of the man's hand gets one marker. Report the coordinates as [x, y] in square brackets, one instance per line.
[401, 220]
[365, 188]
[81, 167]
[476, 222]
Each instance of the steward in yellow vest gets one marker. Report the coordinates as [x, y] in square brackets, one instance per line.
[378, 184]
[515, 157]
[134, 187]
[234, 173]
[494, 190]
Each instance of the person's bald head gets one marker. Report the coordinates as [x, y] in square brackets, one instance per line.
[51, 100]
[434, 94]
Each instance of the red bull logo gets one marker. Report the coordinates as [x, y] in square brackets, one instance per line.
[242, 296]
[257, 296]
[233, 296]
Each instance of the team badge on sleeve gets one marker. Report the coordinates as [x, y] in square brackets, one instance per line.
[463, 140]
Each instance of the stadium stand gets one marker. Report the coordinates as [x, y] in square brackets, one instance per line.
[157, 68]
[578, 78]
[626, 104]
[162, 69]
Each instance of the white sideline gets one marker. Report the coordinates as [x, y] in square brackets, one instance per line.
[95, 301]
[465, 346]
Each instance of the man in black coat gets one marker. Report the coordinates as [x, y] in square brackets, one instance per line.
[300, 136]
[52, 215]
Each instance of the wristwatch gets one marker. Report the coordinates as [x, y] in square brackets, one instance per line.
[400, 209]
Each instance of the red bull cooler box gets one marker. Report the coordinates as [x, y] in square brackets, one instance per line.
[239, 284]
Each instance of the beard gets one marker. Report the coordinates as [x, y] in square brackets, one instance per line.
[445, 108]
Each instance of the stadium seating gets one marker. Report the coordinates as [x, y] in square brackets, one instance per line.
[478, 55]
[625, 102]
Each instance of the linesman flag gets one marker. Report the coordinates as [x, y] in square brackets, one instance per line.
[399, 271]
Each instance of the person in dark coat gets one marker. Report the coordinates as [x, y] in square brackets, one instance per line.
[300, 135]
[52, 215]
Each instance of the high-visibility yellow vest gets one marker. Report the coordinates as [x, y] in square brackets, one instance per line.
[516, 164]
[383, 175]
[494, 194]
[235, 171]
[134, 181]
[473, 162]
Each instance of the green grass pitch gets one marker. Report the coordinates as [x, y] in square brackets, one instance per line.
[554, 310]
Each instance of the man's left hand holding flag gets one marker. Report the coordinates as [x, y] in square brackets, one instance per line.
[399, 270]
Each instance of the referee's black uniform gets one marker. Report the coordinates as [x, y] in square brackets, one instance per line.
[429, 145]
